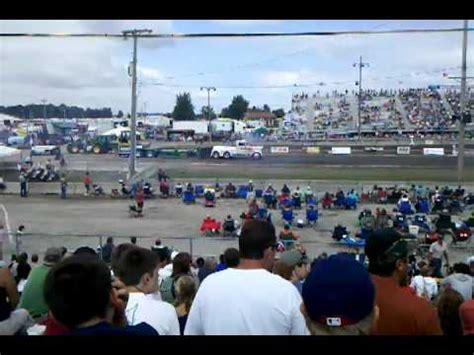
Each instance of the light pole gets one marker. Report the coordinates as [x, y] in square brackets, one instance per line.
[463, 113]
[133, 139]
[209, 89]
[360, 65]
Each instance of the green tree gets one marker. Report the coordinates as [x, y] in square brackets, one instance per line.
[184, 109]
[237, 108]
[205, 115]
[120, 114]
[279, 112]
[266, 108]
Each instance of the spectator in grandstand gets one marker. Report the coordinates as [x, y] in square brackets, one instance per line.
[400, 312]
[232, 257]
[12, 320]
[185, 288]
[181, 266]
[299, 268]
[423, 284]
[34, 260]
[22, 271]
[466, 313]
[209, 268]
[448, 303]
[107, 250]
[339, 298]
[138, 270]
[32, 297]
[222, 264]
[166, 264]
[80, 295]
[262, 303]
[459, 282]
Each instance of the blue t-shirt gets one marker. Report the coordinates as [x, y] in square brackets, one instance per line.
[105, 328]
[221, 266]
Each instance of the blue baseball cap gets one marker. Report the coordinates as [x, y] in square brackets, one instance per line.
[338, 292]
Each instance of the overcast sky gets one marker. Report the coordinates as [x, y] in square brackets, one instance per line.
[93, 72]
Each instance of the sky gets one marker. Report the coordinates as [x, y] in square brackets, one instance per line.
[93, 72]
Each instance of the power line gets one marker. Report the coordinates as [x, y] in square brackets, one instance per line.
[237, 35]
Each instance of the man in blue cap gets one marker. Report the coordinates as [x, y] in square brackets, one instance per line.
[339, 298]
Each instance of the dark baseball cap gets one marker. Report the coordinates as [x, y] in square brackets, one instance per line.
[386, 242]
[338, 292]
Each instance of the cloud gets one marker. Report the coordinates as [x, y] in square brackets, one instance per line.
[82, 71]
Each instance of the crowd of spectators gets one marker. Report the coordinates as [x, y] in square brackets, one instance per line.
[253, 290]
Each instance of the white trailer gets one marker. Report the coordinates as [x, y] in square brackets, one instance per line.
[199, 127]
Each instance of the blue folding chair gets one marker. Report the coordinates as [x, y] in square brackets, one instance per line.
[351, 203]
[243, 191]
[424, 206]
[188, 197]
[287, 216]
[258, 193]
[340, 201]
[296, 201]
[312, 216]
[199, 190]
[405, 208]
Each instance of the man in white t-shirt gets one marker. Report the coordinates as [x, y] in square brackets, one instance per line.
[437, 250]
[424, 285]
[137, 268]
[248, 300]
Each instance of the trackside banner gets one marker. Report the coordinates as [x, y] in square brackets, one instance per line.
[433, 151]
[279, 150]
[403, 150]
[341, 150]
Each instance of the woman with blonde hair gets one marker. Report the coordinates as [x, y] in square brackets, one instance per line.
[185, 290]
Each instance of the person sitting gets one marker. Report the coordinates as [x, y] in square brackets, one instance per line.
[269, 197]
[340, 199]
[469, 199]
[444, 223]
[308, 194]
[470, 222]
[123, 189]
[297, 197]
[164, 188]
[288, 237]
[285, 190]
[230, 191]
[327, 201]
[178, 189]
[228, 226]
[311, 214]
[81, 295]
[253, 207]
[148, 190]
[210, 225]
[404, 205]
[190, 187]
[2, 184]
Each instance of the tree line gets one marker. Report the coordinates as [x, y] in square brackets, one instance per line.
[53, 111]
[184, 109]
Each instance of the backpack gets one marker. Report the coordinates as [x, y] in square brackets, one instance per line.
[167, 290]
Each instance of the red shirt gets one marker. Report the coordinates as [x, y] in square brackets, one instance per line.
[402, 313]
[140, 197]
[87, 180]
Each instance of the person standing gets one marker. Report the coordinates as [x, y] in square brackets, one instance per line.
[63, 187]
[140, 200]
[401, 312]
[23, 185]
[438, 250]
[262, 303]
[87, 183]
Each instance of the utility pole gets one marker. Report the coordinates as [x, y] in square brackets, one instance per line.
[209, 89]
[133, 139]
[463, 111]
[360, 65]
[44, 108]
